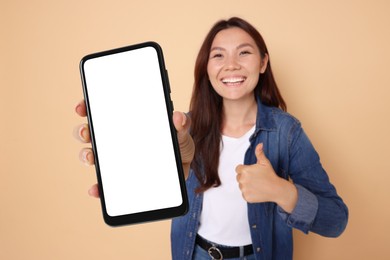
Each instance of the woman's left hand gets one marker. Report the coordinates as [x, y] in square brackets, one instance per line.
[259, 183]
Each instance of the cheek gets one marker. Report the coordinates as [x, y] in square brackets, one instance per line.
[256, 76]
[253, 83]
[214, 83]
[253, 64]
[214, 67]
[212, 73]
[256, 65]
[210, 70]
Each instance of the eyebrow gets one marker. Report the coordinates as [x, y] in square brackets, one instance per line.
[245, 45]
[216, 48]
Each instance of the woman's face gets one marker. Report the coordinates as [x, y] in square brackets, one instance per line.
[235, 64]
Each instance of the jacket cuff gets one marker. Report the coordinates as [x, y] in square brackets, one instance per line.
[304, 212]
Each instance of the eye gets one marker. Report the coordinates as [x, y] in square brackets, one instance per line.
[216, 55]
[245, 52]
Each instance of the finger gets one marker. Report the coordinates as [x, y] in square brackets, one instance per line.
[260, 155]
[182, 122]
[81, 133]
[240, 186]
[86, 156]
[239, 168]
[81, 109]
[238, 177]
[187, 147]
[94, 191]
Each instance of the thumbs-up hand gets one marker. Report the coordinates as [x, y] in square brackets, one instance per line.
[259, 183]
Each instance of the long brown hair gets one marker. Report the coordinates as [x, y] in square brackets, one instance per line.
[206, 104]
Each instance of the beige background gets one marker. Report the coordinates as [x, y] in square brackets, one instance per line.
[331, 62]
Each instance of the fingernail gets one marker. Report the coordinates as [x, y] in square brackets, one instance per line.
[83, 133]
[84, 157]
[183, 123]
[77, 107]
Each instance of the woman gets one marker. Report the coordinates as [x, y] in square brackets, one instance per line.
[254, 175]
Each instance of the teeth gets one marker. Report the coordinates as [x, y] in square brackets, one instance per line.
[233, 80]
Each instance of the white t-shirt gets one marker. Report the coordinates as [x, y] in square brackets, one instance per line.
[224, 217]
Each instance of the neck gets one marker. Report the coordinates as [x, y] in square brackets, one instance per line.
[238, 116]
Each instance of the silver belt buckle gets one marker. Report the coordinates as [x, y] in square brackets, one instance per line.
[214, 252]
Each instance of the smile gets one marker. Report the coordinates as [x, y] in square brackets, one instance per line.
[233, 80]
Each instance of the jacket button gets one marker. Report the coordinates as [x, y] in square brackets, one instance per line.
[258, 249]
[254, 226]
[190, 234]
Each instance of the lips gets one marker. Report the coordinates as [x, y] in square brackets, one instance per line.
[233, 81]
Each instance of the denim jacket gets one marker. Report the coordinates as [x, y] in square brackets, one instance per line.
[319, 208]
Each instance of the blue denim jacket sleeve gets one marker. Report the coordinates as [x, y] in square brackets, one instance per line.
[319, 208]
[304, 212]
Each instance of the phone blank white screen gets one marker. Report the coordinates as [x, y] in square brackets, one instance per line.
[132, 133]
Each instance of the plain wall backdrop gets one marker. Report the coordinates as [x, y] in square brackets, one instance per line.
[331, 60]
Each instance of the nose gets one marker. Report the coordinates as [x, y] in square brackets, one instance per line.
[232, 63]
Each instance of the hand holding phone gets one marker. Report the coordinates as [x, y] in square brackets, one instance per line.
[130, 116]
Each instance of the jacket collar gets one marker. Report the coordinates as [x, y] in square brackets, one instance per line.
[265, 117]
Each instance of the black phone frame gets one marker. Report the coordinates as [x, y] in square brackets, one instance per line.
[146, 216]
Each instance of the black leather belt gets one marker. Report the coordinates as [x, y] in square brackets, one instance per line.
[219, 253]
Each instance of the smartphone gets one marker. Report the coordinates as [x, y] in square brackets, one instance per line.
[137, 157]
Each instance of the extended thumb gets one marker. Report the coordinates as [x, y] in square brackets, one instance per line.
[261, 158]
[181, 121]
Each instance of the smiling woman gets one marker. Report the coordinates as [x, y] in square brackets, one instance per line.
[247, 147]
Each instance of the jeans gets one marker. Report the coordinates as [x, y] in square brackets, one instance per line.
[201, 254]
